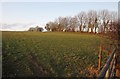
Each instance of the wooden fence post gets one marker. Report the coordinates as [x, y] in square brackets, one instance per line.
[107, 73]
[99, 58]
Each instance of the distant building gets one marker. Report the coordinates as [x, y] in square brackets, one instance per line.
[36, 29]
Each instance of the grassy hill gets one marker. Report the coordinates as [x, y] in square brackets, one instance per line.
[50, 54]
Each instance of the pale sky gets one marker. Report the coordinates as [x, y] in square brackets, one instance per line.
[22, 15]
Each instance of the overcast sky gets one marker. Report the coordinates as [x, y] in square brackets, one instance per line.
[22, 15]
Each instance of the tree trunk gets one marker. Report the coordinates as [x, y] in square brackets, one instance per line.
[92, 28]
[80, 27]
[104, 28]
[95, 29]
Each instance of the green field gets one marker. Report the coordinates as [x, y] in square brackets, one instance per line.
[50, 54]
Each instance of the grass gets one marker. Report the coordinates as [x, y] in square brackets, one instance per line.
[50, 54]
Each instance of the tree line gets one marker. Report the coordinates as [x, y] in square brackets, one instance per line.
[103, 21]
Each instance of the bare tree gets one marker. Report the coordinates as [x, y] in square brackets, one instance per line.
[62, 22]
[47, 27]
[104, 20]
[113, 19]
[104, 14]
[113, 16]
[96, 24]
[92, 20]
[67, 23]
[82, 18]
[51, 26]
[73, 23]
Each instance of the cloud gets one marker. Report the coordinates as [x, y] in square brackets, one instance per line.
[17, 26]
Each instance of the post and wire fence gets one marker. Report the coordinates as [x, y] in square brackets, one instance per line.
[108, 70]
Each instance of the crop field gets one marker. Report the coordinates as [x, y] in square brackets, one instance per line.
[53, 54]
